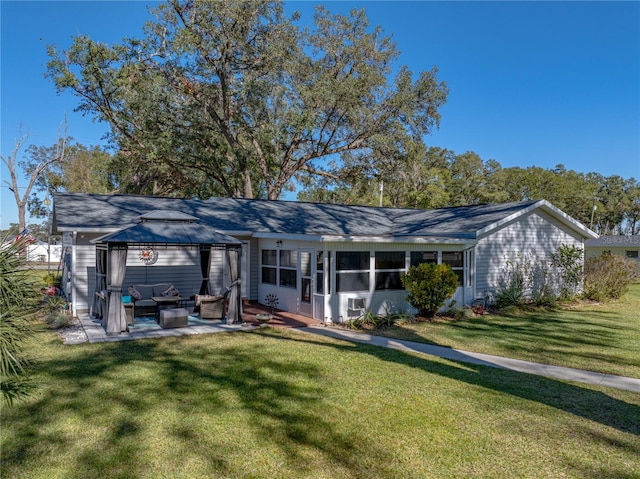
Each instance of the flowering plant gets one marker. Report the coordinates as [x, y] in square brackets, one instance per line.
[49, 291]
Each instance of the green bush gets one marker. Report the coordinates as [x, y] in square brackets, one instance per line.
[373, 321]
[568, 262]
[430, 286]
[58, 320]
[608, 276]
[53, 279]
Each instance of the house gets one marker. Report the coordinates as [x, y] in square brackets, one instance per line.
[42, 252]
[325, 261]
[627, 246]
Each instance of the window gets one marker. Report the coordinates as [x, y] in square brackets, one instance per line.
[319, 272]
[288, 258]
[419, 257]
[389, 269]
[632, 254]
[352, 260]
[352, 271]
[288, 278]
[269, 275]
[288, 268]
[280, 267]
[269, 263]
[455, 259]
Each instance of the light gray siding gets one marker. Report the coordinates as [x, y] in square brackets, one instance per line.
[535, 236]
[254, 263]
[180, 267]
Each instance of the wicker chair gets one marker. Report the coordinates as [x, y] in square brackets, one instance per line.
[213, 307]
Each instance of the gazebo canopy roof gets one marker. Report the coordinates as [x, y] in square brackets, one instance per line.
[169, 227]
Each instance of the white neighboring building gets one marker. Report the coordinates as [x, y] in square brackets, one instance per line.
[620, 245]
[38, 252]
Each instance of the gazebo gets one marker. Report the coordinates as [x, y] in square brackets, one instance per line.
[168, 229]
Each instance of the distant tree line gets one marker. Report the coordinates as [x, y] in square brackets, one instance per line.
[438, 178]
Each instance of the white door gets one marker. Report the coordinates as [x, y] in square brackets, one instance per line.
[305, 284]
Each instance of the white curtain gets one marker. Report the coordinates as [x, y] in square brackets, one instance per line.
[234, 313]
[116, 319]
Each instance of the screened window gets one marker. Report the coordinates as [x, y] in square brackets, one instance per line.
[389, 259]
[632, 254]
[389, 269]
[419, 257]
[352, 260]
[455, 259]
[352, 281]
[352, 271]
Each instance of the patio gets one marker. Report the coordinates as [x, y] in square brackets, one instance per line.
[147, 327]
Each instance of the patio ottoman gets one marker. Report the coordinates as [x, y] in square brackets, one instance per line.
[174, 318]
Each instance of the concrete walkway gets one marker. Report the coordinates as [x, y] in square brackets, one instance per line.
[557, 372]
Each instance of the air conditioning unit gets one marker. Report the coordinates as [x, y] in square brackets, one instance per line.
[356, 307]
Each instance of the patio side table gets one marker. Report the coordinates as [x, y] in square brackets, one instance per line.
[165, 302]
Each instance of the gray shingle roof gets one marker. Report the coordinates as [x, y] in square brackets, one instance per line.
[172, 232]
[89, 212]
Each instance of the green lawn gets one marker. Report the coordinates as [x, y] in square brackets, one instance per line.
[285, 404]
[597, 337]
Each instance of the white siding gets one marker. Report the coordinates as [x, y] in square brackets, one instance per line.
[535, 235]
[84, 274]
[378, 302]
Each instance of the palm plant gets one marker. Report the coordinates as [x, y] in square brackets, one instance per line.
[18, 305]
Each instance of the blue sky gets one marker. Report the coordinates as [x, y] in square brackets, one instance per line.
[531, 83]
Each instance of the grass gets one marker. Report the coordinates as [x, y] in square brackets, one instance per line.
[282, 403]
[597, 337]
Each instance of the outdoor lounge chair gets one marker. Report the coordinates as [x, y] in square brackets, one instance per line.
[212, 307]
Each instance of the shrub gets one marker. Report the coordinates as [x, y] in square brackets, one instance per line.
[54, 303]
[540, 281]
[430, 286]
[53, 279]
[568, 262]
[58, 320]
[608, 276]
[373, 321]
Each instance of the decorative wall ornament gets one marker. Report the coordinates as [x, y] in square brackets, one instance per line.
[148, 256]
